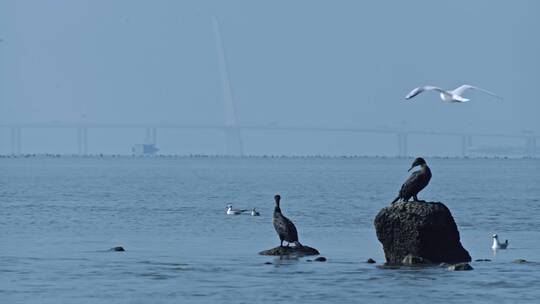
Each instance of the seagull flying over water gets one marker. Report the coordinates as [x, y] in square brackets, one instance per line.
[449, 96]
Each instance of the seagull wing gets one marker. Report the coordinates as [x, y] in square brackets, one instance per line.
[459, 91]
[419, 90]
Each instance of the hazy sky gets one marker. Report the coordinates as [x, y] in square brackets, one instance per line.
[316, 63]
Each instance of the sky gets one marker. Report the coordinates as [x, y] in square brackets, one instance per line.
[291, 63]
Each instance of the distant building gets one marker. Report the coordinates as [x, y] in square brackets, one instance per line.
[144, 149]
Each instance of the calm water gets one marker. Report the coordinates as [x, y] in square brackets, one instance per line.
[59, 216]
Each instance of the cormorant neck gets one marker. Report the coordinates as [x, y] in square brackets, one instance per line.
[277, 209]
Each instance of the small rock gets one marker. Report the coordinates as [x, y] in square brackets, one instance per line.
[482, 260]
[444, 265]
[460, 266]
[117, 248]
[388, 266]
[320, 259]
[412, 260]
[370, 261]
[298, 251]
[521, 261]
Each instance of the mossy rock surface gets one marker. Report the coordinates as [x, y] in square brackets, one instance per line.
[292, 250]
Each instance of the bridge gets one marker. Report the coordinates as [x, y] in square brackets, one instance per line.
[235, 146]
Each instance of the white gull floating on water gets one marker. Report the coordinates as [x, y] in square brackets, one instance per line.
[449, 96]
[497, 244]
[231, 211]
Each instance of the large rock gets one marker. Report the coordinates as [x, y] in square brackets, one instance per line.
[425, 230]
[292, 250]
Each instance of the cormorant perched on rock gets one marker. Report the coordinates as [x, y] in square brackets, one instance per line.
[416, 182]
[284, 227]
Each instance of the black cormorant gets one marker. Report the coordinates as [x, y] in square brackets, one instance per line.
[416, 182]
[284, 227]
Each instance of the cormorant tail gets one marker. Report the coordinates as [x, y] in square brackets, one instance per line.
[395, 200]
[297, 244]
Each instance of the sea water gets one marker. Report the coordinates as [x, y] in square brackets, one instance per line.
[59, 217]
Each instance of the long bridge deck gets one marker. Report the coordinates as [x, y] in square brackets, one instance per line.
[235, 131]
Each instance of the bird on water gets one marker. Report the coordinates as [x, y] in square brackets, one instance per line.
[416, 182]
[230, 211]
[497, 244]
[449, 96]
[254, 212]
[284, 227]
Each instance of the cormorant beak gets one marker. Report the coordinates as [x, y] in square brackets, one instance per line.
[410, 169]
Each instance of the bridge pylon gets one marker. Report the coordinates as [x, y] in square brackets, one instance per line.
[402, 144]
[16, 140]
[233, 133]
[82, 140]
[466, 144]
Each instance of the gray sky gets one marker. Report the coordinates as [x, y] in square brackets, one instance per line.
[323, 63]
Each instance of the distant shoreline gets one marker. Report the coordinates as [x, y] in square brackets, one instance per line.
[218, 156]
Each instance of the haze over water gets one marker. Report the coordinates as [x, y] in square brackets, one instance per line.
[306, 63]
[59, 217]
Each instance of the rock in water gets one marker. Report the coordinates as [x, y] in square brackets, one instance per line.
[425, 230]
[460, 267]
[412, 260]
[292, 250]
[117, 248]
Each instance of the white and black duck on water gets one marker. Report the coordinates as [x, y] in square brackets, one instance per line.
[284, 227]
[416, 182]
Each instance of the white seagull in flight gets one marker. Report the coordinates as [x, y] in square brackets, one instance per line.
[450, 96]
